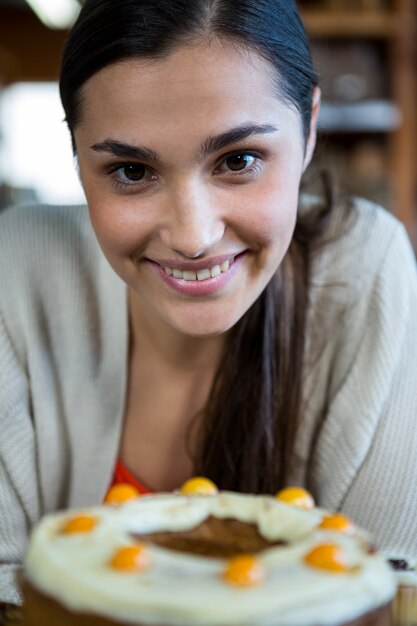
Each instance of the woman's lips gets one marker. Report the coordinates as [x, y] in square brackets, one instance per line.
[202, 274]
[199, 282]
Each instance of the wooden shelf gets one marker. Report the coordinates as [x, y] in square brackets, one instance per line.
[342, 23]
[395, 28]
[371, 116]
[29, 51]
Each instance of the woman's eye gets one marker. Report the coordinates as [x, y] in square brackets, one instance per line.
[133, 172]
[239, 162]
[130, 176]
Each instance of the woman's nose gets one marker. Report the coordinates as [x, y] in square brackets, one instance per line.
[192, 226]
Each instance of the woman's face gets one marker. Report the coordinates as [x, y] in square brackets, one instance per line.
[191, 168]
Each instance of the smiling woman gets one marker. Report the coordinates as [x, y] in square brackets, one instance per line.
[200, 315]
[228, 191]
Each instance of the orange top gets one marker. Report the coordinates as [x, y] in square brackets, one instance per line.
[122, 475]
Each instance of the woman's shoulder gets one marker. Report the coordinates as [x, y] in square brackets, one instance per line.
[34, 236]
[360, 239]
[54, 278]
[46, 253]
[34, 222]
[363, 263]
[367, 224]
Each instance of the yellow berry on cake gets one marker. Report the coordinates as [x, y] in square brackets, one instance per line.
[78, 524]
[327, 556]
[199, 486]
[120, 493]
[204, 557]
[337, 522]
[297, 496]
[133, 558]
[244, 570]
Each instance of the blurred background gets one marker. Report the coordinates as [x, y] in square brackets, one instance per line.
[366, 54]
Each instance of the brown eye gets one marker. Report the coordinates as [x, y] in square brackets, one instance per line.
[238, 162]
[133, 172]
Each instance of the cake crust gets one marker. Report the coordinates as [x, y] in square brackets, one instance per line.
[45, 611]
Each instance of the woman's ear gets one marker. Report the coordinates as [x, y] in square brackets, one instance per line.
[312, 137]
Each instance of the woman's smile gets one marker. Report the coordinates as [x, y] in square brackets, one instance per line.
[191, 167]
[201, 278]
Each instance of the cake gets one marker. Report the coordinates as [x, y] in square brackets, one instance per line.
[203, 557]
[404, 607]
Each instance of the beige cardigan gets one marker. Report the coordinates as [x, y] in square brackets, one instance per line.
[63, 356]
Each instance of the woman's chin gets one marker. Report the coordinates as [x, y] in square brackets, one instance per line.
[203, 329]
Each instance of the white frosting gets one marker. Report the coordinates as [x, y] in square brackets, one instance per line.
[188, 590]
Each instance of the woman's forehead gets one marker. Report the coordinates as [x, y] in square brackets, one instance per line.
[211, 63]
[193, 85]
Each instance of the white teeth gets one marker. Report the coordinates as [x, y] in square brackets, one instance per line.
[187, 275]
[215, 271]
[201, 274]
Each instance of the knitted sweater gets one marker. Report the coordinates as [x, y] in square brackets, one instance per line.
[63, 372]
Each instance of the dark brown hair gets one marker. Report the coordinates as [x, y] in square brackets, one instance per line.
[249, 427]
[254, 411]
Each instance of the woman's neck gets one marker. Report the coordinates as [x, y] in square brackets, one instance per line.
[169, 382]
[164, 346]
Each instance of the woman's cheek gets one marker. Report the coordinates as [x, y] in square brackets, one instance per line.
[269, 213]
[120, 228]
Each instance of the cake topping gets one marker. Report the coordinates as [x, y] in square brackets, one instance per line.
[133, 558]
[121, 493]
[337, 523]
[297, 496]
[199, 486]
[244, 571]
[400, 565]
[79, 524]
[327, 556]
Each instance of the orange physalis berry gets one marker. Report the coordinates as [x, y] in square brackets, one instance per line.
[131, 558]
[337, 522]
[121, 493]
[199, 486]
[244, 570]
[297, 496]
[327, 556]
[79, 524]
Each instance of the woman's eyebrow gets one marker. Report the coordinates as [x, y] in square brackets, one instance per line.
[218, 142]
[210, 145]
[125, 150]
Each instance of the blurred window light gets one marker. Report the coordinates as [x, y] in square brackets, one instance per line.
[56, 13]
[35, 146]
